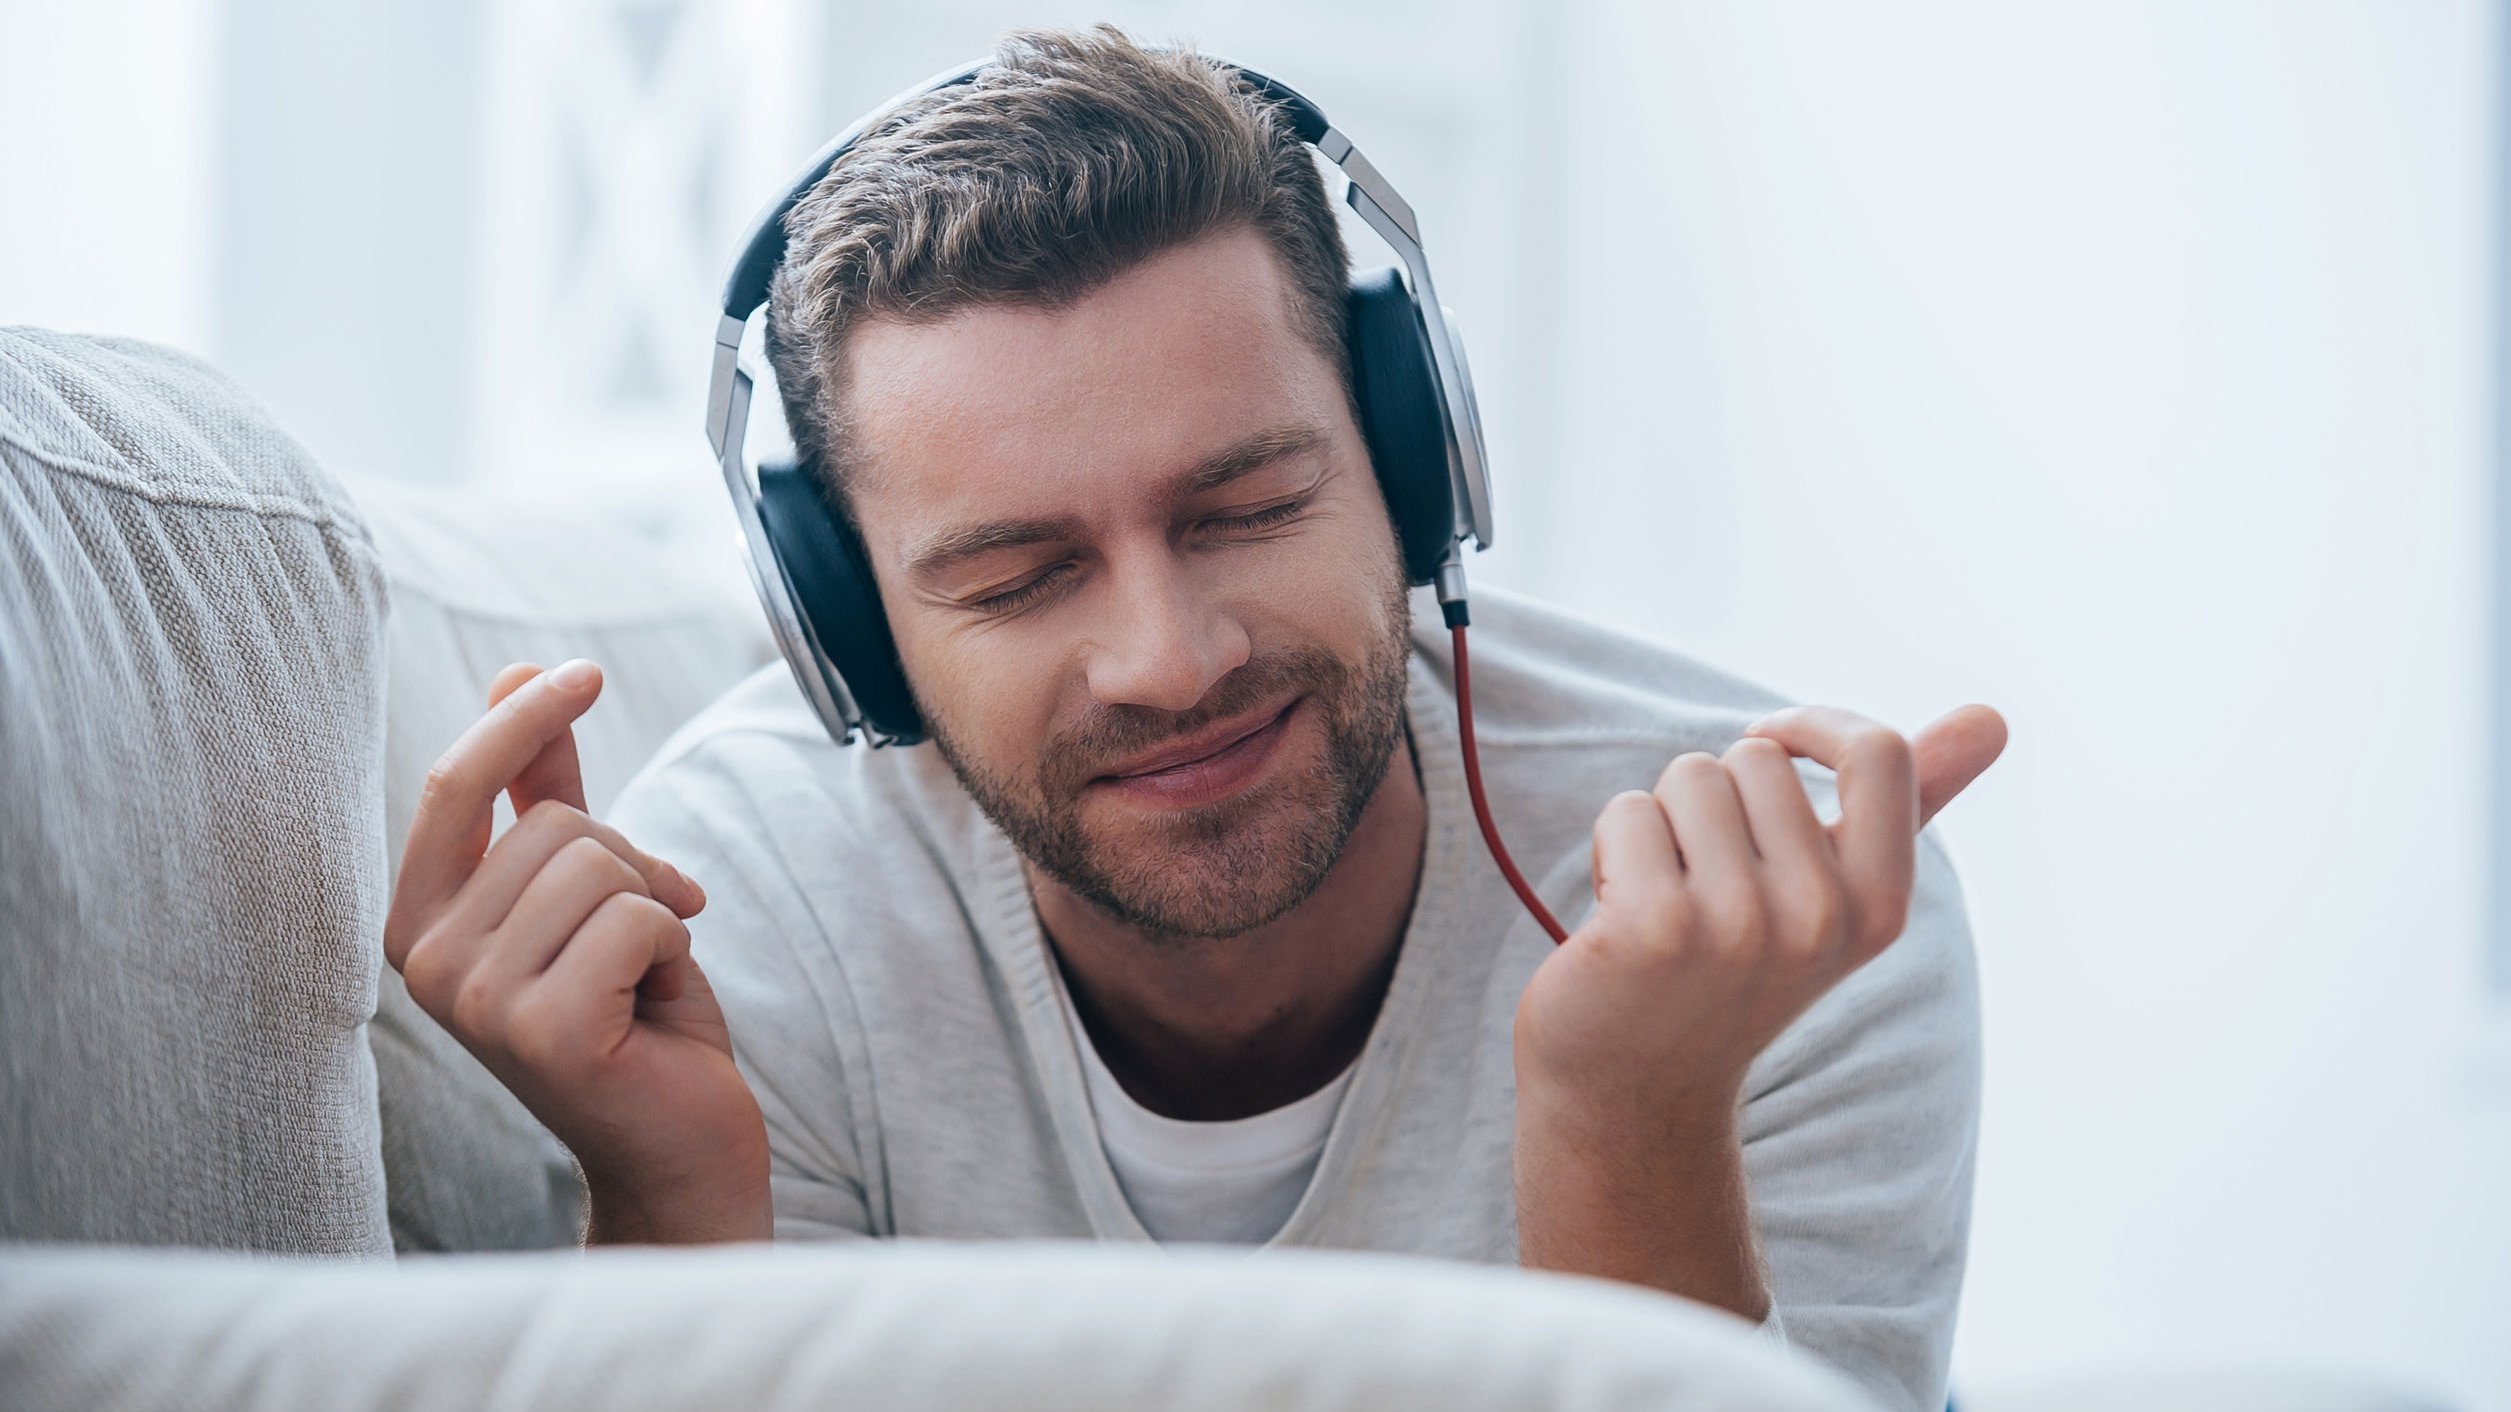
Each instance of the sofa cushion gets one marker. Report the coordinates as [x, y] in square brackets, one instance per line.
[481, 578]
[997, 1327]
[191, 858]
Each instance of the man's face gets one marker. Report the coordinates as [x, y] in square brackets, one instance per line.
[1142, 580]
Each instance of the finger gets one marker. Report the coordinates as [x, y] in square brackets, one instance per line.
[554, 773]
[1698, 797]
[1720, 867]
[509, 677]
[1875, 837]
[1955, 749]
[555, 777]
[561, 897]
[464, 932]
[627, 938]
[1637, 871]
[449, 833]
[522, 851]
[1785, 828]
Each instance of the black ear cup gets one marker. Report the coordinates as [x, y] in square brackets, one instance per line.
[834, 592]
[1402, 416]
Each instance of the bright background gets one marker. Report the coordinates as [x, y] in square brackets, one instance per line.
[2130, 366]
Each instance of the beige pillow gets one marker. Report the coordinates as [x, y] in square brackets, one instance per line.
[191, 854]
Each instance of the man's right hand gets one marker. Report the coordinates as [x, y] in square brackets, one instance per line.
[560, 958]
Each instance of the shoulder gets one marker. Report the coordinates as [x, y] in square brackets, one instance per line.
[834, 848]
[1568, 713]
[1542, 673]
[757, 764]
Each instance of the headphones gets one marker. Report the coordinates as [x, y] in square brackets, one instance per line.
[1409, 378]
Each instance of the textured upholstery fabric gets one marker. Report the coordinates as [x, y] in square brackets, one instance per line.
[988, 1328]
[479, 581]
[191, 858]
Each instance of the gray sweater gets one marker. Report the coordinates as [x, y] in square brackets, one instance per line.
[892, 1000]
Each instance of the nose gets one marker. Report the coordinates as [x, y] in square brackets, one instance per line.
[1161, 643]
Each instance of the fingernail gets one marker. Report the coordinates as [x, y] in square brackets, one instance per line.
[574, 675]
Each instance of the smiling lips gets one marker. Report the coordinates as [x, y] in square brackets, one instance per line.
[1211, 766]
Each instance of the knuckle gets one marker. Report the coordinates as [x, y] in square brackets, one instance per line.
[1622, 810]
[551, 814]
[447, 778]
[427, 972]
[1816, 923]
[1645, 919]
[1696, 765]
[646, 915]
[1756, 752]
[1881, 748]
[1671, 919]
[1688, 768]
[539, 1040]
[478, 1001]
[583, 851]
[1824, 914]
[1886, 918]
[433, 971]
[597, 860]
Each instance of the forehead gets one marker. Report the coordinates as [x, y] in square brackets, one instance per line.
[1001, 409]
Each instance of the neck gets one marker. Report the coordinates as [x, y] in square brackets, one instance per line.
[1230, 1027]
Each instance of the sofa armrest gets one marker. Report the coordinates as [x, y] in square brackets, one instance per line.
[918, 1327]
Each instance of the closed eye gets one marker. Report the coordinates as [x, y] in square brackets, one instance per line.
[1265, 518]
[1255, 521]
[1011, 600]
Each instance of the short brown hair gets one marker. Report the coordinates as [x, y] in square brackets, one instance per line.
[1073, 156]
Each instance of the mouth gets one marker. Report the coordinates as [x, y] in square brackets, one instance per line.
[1211, 765]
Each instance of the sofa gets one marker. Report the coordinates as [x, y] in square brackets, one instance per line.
[239, 1169]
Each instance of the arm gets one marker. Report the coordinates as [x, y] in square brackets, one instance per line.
[1725, 910]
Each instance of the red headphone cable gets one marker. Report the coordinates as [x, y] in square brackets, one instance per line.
[1454, 610]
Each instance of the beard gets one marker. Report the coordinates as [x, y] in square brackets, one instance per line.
[1225, 868]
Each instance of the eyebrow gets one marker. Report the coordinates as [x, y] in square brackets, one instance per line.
[1242, 458]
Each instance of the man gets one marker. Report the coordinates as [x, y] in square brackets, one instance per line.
[1181, 931]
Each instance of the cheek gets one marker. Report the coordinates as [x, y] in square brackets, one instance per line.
[1337, 580]
[986, 692]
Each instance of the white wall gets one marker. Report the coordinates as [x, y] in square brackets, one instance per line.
[2126, 366]
[107, 146]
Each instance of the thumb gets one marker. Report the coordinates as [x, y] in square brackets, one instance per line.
[1953, 750]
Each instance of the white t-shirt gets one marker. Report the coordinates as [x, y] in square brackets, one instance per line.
[1233, 1182]
[893, 1001]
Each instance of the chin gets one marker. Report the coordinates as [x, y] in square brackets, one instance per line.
[1218, 871]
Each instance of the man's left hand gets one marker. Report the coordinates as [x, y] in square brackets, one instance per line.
[1724, 909]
